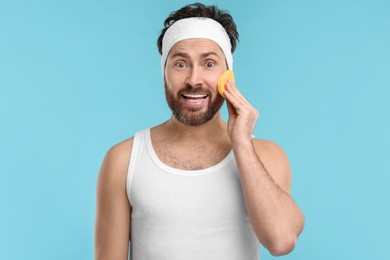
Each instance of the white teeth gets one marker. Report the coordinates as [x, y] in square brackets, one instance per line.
[195, 96]
[195, 101]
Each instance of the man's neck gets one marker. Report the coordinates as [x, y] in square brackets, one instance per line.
[215, 128]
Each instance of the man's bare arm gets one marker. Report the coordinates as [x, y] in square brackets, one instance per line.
[265, 177]
[274, 215]
[113, 210]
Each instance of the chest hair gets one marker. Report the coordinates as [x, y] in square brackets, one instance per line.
[191, 157]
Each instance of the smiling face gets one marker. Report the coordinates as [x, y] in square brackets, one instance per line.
[191, 76]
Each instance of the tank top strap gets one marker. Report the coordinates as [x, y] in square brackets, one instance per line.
[138, 140]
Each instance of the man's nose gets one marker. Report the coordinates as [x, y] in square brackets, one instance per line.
[195, 77]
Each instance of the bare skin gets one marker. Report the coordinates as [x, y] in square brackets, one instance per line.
[264, 169]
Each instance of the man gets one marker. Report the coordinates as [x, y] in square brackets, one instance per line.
[196, 187]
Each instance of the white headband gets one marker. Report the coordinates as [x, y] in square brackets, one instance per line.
[196, 27]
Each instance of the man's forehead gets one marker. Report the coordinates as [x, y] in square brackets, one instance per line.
[197, 46]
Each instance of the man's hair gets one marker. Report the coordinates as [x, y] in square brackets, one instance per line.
[201, 10]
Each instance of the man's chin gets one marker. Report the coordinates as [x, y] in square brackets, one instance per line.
[191, 119]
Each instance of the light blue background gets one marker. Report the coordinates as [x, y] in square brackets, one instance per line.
[78, 76]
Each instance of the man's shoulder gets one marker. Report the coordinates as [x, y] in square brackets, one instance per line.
[263, 146]
[118, 155]
[113, 170]
[121, 149]
[270, 152]
[275, 161]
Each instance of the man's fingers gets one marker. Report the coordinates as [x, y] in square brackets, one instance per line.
[236, 98]
[232, 89]
[239, 103]
[230, 107]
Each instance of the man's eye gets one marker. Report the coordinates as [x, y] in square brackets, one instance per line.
[180, 65]
[210, 64]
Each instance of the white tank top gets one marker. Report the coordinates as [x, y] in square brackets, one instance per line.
[185, 215]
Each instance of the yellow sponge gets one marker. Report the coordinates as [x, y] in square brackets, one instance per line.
[226, 76]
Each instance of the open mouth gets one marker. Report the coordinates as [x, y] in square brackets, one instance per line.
[194, 96]
[194, 99]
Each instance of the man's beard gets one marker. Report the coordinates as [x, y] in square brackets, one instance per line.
[191, 116]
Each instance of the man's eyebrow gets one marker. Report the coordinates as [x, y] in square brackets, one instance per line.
[180, 54]
[185, 55]
[204, 55]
